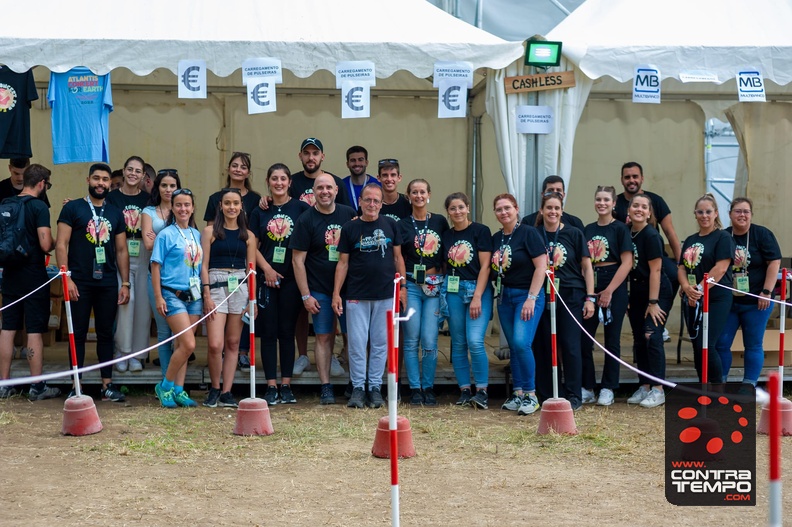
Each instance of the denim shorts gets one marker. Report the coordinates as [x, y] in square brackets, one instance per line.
[176, 306]
[324, 320]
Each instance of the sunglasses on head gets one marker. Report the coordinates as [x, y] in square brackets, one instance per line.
[229, 189]
[383, 162]
[166, 171]
[185, 191]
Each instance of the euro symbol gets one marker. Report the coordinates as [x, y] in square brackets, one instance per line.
[259, 94]
[451, 97]
[354, 98]
[190, 78]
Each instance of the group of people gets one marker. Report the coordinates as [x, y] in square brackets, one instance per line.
[330, 247]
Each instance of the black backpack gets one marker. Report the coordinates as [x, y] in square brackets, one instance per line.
[14, 244]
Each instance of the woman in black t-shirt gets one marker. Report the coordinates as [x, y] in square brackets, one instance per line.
[710, 250]
[229, 248]
[756, 261]
[568, 254]
[610, 247]
[278, 295]
[651, 296]
[467, 248]
[421, 233]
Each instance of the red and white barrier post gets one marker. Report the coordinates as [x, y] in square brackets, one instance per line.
[774, 490]
[705, 333]
[781, 330]
[70, 325]
[553, 345]
[393, 362]
[252, 325]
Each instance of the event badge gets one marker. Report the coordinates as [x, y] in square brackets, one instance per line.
[692, 280]
[97, 270]
[498, 286]
[233, 283]
[741, 284]
[556, 281]
[195, 288]
[134, 247]
[100, 255]
[419, 274]
[453, 284]
[595, 278]
[333, 254]
[280, 255]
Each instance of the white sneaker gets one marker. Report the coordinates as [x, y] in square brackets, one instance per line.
[122, 366]
[639, 395]
[336, 370]
[655, 398]
[513, 403]
[529, 405]
[605, 397]
[301, 364]
[588, 396]
[135, 365]
[666, 336]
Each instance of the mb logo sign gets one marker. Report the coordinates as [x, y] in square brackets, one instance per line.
[646, 85]
[750, 86]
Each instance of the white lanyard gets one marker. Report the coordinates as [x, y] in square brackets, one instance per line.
[352, 190]
[191, 247]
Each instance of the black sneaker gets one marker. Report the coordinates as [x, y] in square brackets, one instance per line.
[212, 397]
[327, 396]
[286, 395]
[464, 399]
[7, 391]
[358, 399]
[227, 400]
[112, 393]
[429, 397]
[271, 395]
[417, 397]
[243, 362]
[575, 403]
[348, 390]
[375, 398]
[480, 400]
[45, 392]
[72, 393]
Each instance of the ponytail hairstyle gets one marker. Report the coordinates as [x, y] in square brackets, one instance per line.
[547, 196]
[709, 197]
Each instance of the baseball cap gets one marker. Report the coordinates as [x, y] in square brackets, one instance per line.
[312, 141]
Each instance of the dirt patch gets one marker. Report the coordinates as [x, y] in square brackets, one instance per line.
[151, 466]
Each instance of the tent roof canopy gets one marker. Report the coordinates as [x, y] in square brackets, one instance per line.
[611, 37]
[307, 35]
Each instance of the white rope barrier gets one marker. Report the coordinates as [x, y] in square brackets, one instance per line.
[68, 273]
[58, 375]
[713, 282]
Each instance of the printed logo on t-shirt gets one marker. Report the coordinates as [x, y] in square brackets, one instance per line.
[635, 257]
[376, 242]
[497, 262]
[598, 249]
[308, 197]
[742, 258]
[692, 255]
[193, 255]
[559, 256]
[279, 227]
[98, 235]
[8, 97]
[431, 243]
[392, 216]
[460, 254]
[85, 88]
[132, 219]
[332, 235]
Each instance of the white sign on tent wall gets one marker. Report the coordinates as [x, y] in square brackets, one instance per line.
[192, 79]
[262, 67]
[452, 95]
[646, 84]
[355, 100]
[355, 70]
[534, 119]
[750, 85]
[458, 70]
[261, 95]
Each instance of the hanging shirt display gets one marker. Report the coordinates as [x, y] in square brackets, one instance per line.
[17, 91]
[81, 104]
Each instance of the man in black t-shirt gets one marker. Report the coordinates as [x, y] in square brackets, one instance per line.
[632, 180]
[554, 184]
[311, 156]
[369, 257]
[12, 186]
[92, 243]
[21, 279]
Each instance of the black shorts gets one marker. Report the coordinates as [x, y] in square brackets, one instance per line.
[33, 311]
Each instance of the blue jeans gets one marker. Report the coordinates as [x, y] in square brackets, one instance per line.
[468, 335]
[520, 334]
[423, 327]
[753, 323]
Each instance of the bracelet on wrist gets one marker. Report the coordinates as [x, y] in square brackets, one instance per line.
[592, 299]
[305, 297]
[532, 297]
[653, 301]
[765, 291]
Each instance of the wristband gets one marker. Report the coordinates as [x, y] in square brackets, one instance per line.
[305, 297]
[532, 297]
[592, 299]
[125, 284]
[653, 301]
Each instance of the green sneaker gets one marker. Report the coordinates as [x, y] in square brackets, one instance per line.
[183, 399]
[166, 397]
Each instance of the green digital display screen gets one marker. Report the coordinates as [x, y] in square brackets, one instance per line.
[543, 53]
